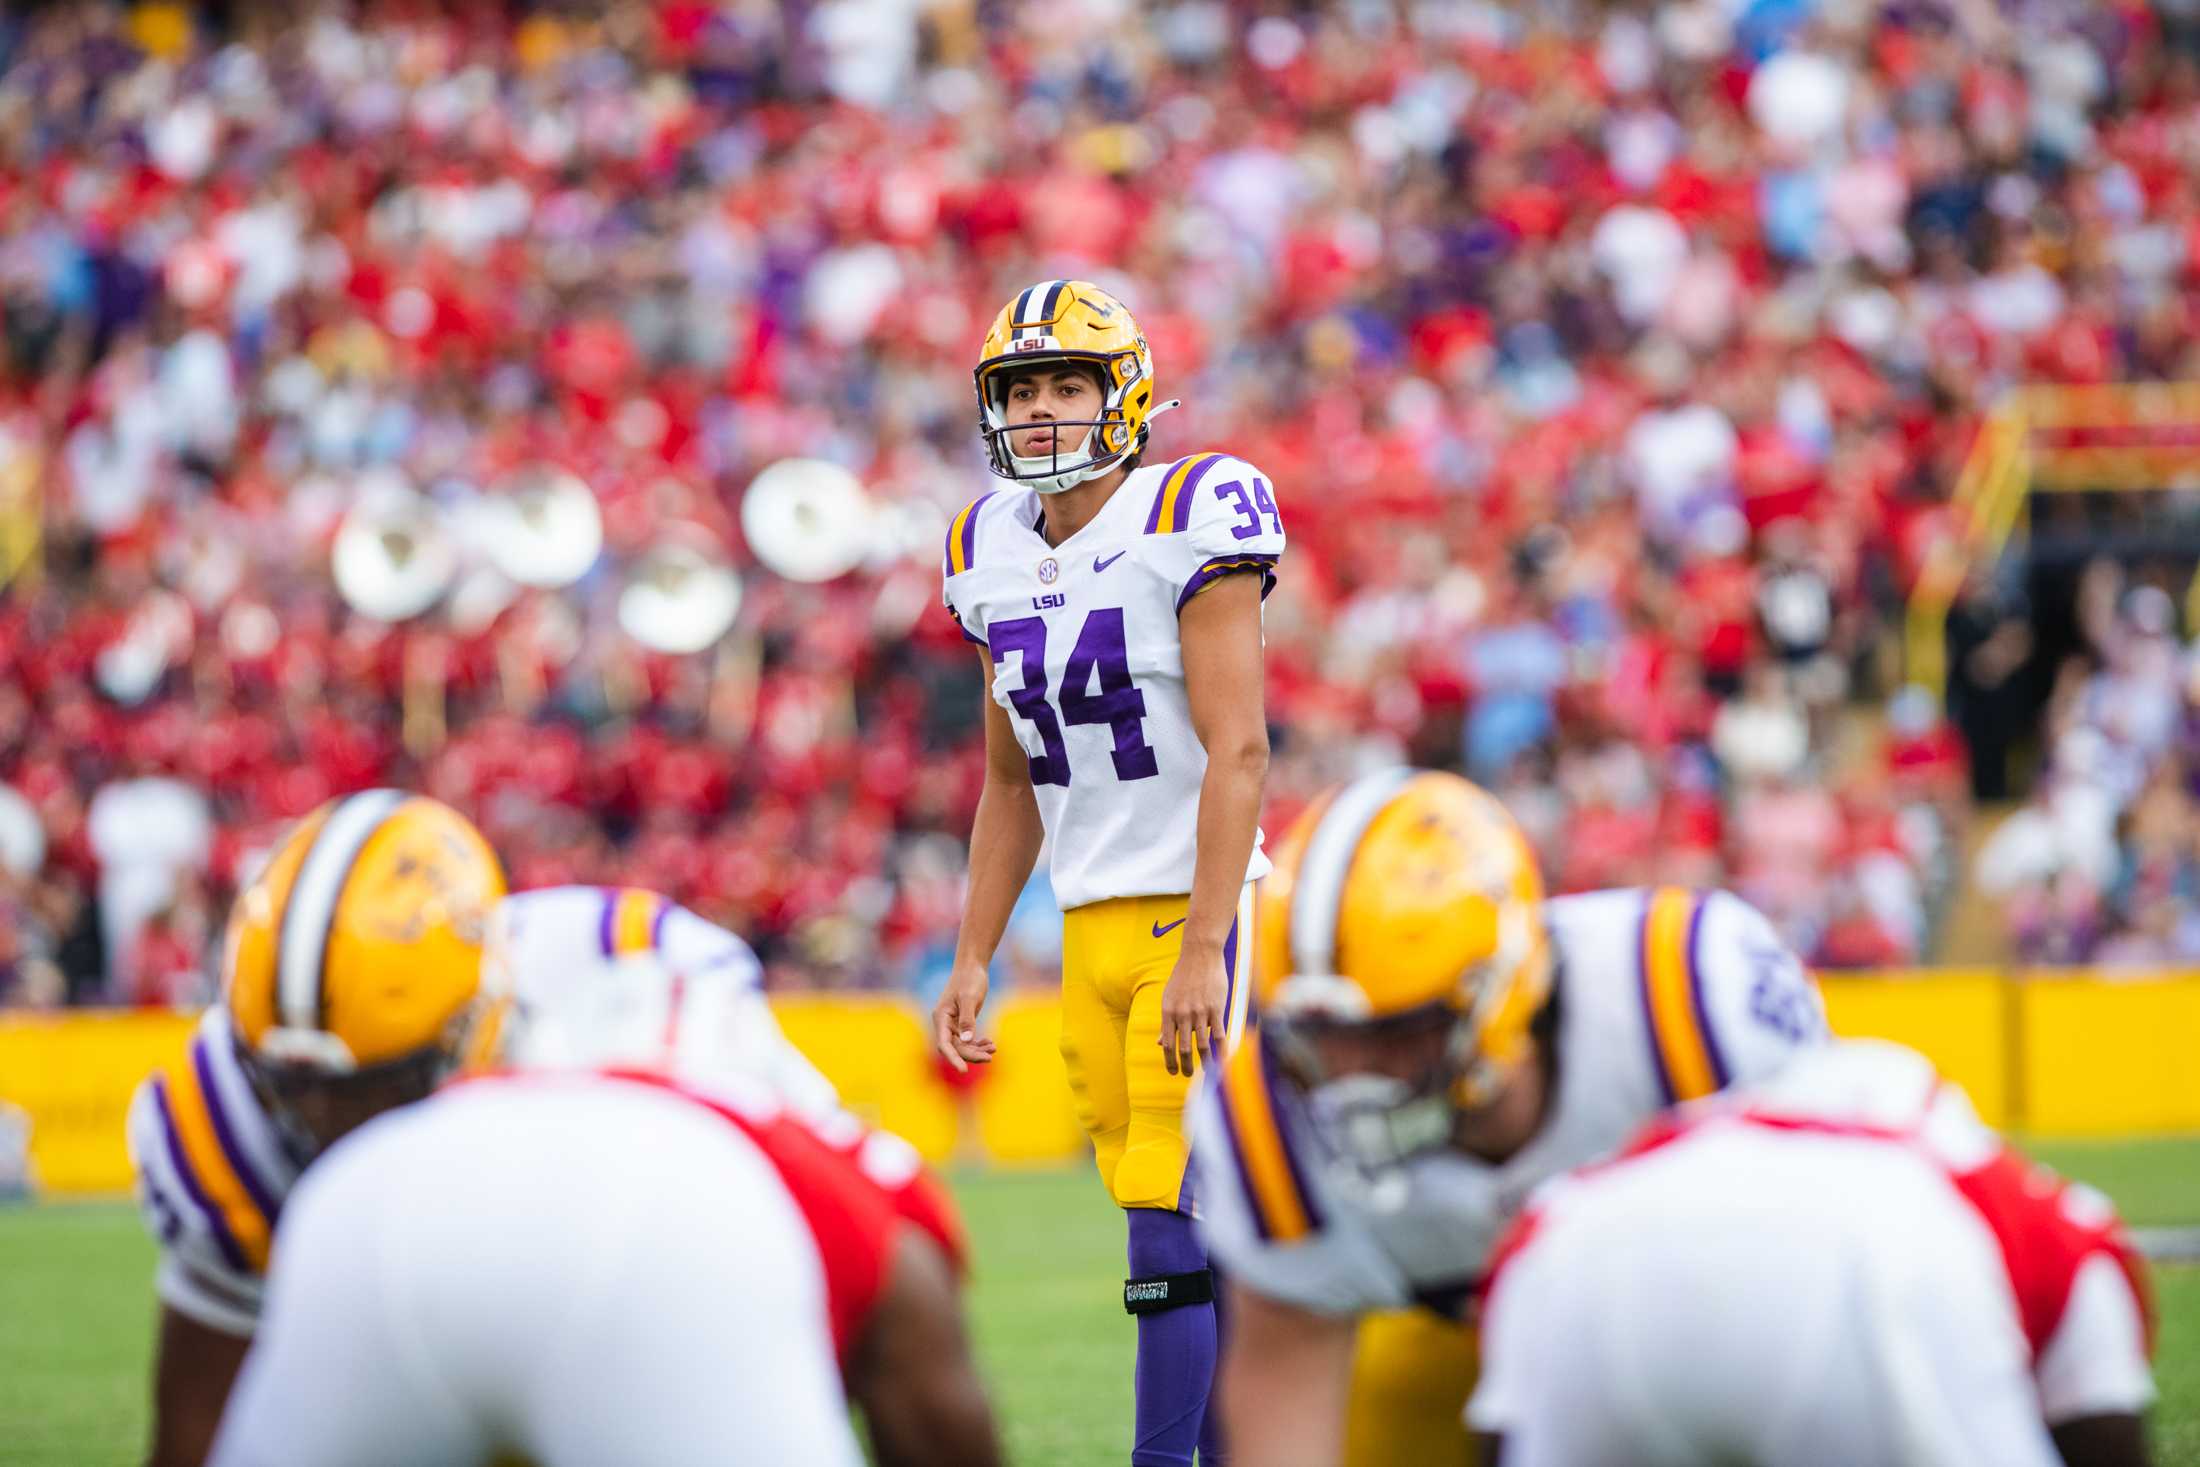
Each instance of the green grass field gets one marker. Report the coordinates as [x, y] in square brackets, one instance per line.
[76, 1314]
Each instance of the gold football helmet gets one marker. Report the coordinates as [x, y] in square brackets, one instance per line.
[353, 959]
[1067, 321]
[1403, 902]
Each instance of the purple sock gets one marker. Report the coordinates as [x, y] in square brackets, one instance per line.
[1212, 1451]
[1176, 1348]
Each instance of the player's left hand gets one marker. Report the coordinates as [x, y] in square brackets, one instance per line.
[1192, 1010]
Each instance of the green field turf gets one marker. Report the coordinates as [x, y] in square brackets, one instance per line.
[76, 1313]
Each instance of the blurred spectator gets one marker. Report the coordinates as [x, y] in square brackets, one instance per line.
[1720, 290]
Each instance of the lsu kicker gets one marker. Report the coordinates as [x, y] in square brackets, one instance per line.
[1437, 1039]
[348, 972]
[1117, 609]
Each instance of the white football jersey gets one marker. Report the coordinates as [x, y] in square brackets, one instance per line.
[1959, 1294]
[599, 976]
[1661, 995]
[1088, 662]
[563, 1268]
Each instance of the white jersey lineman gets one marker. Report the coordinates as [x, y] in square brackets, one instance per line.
[562, 1269]
[1841, 1266]
[1660, 996]
[214, 1170]
[1088, 662]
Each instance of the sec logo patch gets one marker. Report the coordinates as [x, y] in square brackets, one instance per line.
[1050, 571]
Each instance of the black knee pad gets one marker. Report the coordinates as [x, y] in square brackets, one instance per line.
[1161, 1292]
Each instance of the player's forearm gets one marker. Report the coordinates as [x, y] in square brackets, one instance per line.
[1229, 815]
[1004, 845]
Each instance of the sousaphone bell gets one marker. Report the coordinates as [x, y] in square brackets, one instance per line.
[807, 519]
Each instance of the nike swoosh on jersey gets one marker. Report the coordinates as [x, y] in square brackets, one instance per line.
[1100, 565]
[1163, 929]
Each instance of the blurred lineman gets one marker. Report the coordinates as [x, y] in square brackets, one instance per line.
[1118, 609]
[350, 966]
[585, 979]
[1437, 1039]
[584, 976]
[575, 1267]
[1840, 1266]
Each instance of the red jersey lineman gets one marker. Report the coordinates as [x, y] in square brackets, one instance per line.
[605, 1267]
[1841, 1266]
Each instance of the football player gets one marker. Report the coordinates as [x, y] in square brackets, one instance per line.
[348, 971]
[579, 1266]
[1436, 1038]
[1842, 1265]
[564, 984]
[591, 978]
[1117, 610]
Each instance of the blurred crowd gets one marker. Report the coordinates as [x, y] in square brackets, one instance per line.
[2102, 863]
[1613, 364]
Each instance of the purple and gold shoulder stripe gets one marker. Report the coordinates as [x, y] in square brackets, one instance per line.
[633, 921]
[1172, 506]
[1269, 1171]
[235, 1193]
[1684, 1048]
[962, 536]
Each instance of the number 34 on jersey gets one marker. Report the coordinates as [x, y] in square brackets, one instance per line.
[1088, 662]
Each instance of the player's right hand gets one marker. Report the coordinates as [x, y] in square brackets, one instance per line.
[955, 1019]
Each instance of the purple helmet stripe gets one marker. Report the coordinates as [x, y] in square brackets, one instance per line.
[263, 1197]
[215, 1226]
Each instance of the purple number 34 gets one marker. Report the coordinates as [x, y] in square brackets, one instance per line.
[1101, 651]
[1252, 506]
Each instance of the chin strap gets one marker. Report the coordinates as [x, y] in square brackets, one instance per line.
[1158, 1293]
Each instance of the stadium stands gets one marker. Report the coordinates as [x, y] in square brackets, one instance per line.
[1614, 375]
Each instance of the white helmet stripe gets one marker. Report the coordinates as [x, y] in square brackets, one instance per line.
[1020, 315]
[1318, 893]
[1025, 322]
[311, 909]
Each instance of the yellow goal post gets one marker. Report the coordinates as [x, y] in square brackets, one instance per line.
[2048, 439]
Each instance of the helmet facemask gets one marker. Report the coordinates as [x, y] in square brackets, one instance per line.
[1107, 441]
[1380, 1120]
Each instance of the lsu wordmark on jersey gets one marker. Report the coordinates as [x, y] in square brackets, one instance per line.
[1088, 664]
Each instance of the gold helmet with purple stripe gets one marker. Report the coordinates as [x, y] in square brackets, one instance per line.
[1404, 904]
[1047, 325]
[352, 959]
